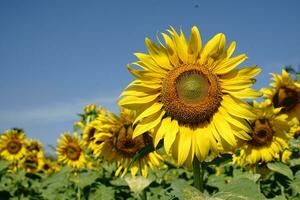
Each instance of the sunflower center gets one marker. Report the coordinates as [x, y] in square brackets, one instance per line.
[286, 98]
[91, 134]
[73, 152]
[128, 146]
[191, 94]
[262, 132]
[192, 87]
[14, 147]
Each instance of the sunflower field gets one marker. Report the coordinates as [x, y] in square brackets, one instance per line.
[190, 126]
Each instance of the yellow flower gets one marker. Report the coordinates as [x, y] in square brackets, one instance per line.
[89, 131]
[32, 162]
[114, 142]
[295, 127]
[12, 145]
[269, 136]
[191, 95]
[285, 93]
[50, 166]
[70, 151]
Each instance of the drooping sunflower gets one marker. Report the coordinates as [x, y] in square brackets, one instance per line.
[191, 94]
[12, 145]
[70, 151]
[285, 93]
[114, 143]
[269, 136]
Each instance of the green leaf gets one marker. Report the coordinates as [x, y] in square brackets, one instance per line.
[295, 184]
[182, 190]
[102, 193]
[240, 189]
[138, 183]
[3, 164]
[86, 178]
[281, 169]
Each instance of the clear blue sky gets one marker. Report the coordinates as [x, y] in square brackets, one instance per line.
[56, 56]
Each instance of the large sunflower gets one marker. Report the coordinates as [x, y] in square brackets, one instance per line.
[285, 93]
[70, 151]
[190, 94]
[269, 136]
[12, 145]
[114, 142]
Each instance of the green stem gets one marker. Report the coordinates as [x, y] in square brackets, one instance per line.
[143, 195]
[198, 170]
[78, 188]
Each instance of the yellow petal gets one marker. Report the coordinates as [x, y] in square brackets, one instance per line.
[156, 107]
[132, 101]
[231, 49]
[148, 123]
[163, 128]
[184, 144]
[195, 44]
[170, 135]
[159, 54]
[237, 107]
[240, 123]
[246, 93]
[229, 64]
[213, 48]
[224, 128]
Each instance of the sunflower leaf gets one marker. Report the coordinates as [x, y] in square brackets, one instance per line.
[281, 169]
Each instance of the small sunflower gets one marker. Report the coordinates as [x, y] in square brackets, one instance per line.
[50, 166]
[35, 147]
[191, 95]
[89, 131]
[32, 162]
[114, 142]
[70, 151]
[12, 145]
[285, 93]
[269, 136]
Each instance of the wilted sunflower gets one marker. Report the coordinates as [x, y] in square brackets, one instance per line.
[70, 151]
[12, 145]
[114, 142]
[269, 136]
[190, 94]
[285, 93]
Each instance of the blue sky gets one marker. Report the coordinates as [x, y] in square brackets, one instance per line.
[56, 56]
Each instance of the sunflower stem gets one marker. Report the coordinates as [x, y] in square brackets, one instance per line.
[198, 170]
[143, 195]
[78, 188]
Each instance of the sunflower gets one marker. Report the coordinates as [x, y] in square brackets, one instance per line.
[32, 162]
[12, 145]
[191, 95]
[70, 151]
[114, 142]
[269, 136]
[285, 93]
[35, 147]
[50, 166]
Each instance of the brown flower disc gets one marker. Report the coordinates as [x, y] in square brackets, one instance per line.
[191, 94]
[286, 98]
[262, 132]
[73, 151]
